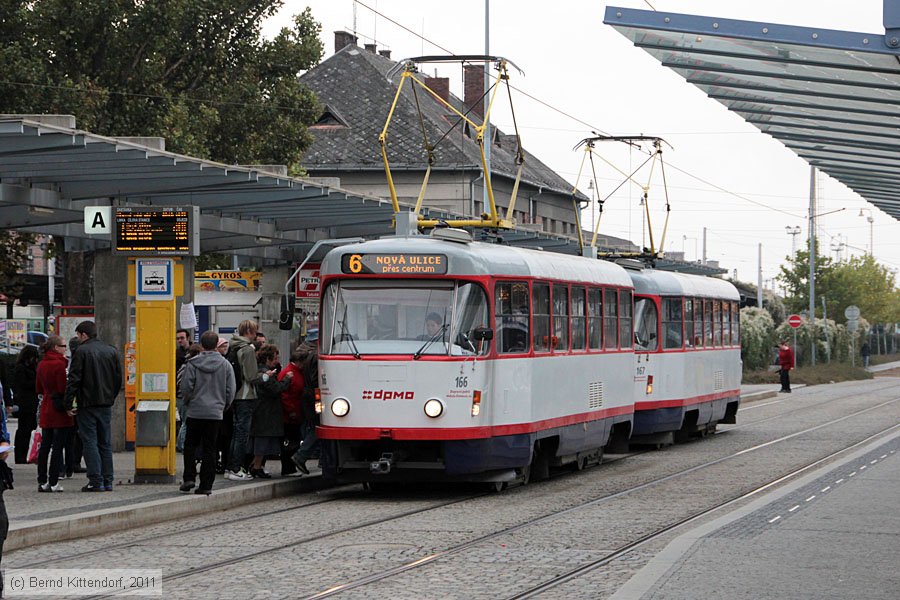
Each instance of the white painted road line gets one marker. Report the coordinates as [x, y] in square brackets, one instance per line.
[826, 488]
[810, 498]
[793, 508]
[775, 519]
[839, 480]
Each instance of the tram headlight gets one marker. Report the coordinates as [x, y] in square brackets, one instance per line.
[340, 407]
[434, 408]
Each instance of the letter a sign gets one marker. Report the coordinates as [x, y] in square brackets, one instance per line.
[96, 219]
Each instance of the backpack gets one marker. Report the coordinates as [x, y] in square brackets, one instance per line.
[235, 362]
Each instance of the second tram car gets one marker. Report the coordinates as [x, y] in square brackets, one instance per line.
[442, 358]
[687, 354]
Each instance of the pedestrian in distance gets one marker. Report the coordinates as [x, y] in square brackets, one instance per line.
[57, 426]
[207, 389]
[95, 378]
[26, 399]
[267, 427]
[863, 351]
[786, 362]
[242, 356]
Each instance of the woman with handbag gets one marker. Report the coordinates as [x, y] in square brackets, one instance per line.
[57, 426]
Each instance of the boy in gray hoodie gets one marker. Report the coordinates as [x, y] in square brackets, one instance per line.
[207, 390]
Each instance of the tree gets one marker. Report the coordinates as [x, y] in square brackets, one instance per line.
[196, 72]
[794, 276]
[865, 283]
[13, 252]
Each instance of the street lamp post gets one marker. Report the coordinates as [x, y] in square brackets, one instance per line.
[871, 221]
[793, 232]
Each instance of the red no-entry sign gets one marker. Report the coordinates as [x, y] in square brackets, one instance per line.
[795, 321]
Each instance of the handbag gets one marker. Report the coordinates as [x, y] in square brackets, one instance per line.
[34, 446]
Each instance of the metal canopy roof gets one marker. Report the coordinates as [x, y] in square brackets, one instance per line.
[48, 174]
[833, 97]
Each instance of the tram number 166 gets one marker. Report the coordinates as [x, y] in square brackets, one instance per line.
[462, 382]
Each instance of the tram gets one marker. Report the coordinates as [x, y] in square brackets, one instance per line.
[687, 355]
[444, 358]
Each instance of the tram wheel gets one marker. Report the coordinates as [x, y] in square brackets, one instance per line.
[497, 486]
[524, 475]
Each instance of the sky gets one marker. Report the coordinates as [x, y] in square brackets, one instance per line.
[723, 174]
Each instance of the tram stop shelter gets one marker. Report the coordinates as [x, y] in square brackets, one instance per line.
[832, 97]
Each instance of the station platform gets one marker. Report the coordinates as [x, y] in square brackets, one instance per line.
[831, 534]
[37, 518]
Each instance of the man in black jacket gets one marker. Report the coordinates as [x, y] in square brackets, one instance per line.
[95, 378]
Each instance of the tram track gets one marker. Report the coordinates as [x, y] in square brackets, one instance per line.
[244, 519]
[669, 528]
[467, 545]
[459, 548]
[138, 542]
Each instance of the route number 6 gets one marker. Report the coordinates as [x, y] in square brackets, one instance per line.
[355, 263]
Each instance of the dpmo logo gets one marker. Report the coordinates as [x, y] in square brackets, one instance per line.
[388, 395]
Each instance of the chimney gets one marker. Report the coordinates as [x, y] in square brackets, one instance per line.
[343, 39]
[385, 53]
[370, 48]
[474, 89]
[440, 85]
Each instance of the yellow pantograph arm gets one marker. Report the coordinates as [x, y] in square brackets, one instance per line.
[382, 139]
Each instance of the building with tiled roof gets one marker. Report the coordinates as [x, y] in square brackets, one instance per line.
[355, 96]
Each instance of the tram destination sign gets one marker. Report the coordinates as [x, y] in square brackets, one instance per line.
[157, 231]
[394, 264]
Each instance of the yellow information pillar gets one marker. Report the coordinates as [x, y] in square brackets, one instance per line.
[155, 282]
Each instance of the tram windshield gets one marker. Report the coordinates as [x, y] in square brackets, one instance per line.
[403, 317]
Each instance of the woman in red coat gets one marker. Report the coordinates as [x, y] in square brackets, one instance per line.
[56, 425]
[786, 360]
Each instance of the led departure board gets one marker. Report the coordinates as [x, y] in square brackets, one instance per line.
[394, 264]
[157, 231]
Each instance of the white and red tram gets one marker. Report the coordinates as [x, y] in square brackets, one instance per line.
[687, 353]
[447, 359]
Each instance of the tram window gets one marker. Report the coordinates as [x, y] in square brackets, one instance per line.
[726, 323]
[672, 322]
[511, 310]
[708, 323]
[735, 324]
[717, 323]
[578, 318]
[625, 308]
[560, 340]
[689, 322]
[470, 314]
[610, 318]
[595, 318]
[540, 307]
[645, 325]
[698, 322]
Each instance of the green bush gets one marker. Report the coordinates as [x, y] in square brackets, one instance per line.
[757, 338]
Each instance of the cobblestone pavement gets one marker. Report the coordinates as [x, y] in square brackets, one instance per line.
[315, 558]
